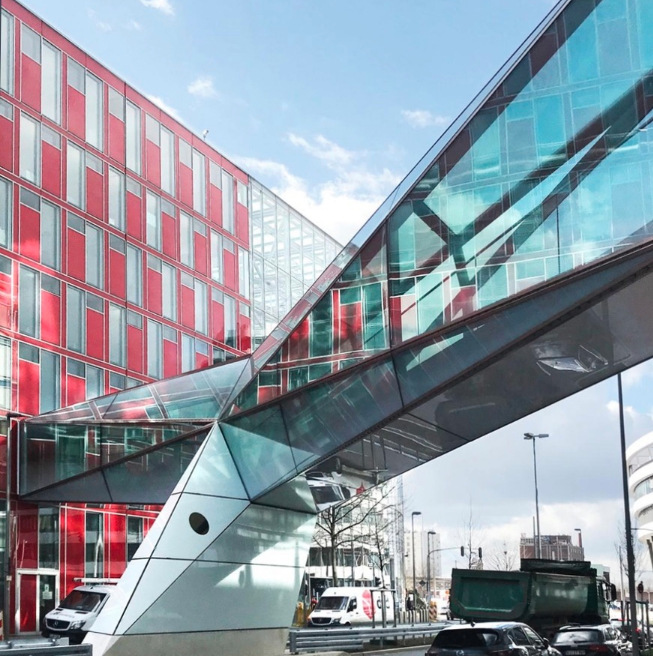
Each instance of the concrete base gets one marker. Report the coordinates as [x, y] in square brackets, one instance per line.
[250, 642]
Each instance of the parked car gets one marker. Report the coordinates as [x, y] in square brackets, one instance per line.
[576, 640]
[491, 639]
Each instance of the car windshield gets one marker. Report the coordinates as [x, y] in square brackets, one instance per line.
[83, 600]
[327, 494]
[460, 638]
[579, 635]
[331, 603]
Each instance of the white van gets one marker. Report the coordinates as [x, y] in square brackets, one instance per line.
[75, 615]
[348, 606]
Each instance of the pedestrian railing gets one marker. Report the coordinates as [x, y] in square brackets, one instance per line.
[43, 647]
[357, 638]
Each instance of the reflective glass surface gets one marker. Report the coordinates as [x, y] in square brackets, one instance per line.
[551, 171]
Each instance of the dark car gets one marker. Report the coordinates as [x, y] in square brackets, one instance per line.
[490, 639]
[588, 640]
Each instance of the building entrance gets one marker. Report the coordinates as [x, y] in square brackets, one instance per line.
[37, 593]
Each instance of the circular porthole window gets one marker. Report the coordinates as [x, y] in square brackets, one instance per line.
[199, 523]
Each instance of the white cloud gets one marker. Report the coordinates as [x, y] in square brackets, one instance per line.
[202, 87]
[100, 24]
[321, 148]
[422, 118]
[133, 25]
[165, 107]
[160, 5]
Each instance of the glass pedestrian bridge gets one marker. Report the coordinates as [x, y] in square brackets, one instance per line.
[511, 268]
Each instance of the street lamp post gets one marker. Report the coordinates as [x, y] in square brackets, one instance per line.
[412, 528]
[580, 540]
[428, 562]
[538, 545]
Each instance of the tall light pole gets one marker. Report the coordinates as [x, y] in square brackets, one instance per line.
[412, 528]
[428, 562]
[580, 540]
[533, 437]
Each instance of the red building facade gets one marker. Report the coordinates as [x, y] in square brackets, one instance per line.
[124, 257]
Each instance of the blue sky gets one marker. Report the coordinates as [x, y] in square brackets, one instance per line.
[330, 104]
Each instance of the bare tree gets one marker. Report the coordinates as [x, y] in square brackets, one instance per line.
[340, 525]
[639, 552]
[472, 540]
[504, 557]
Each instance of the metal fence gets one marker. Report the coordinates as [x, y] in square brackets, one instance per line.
[357, 639]
[43, 648]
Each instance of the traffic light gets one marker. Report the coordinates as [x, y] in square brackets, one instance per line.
[640, 588]
[462, 551]
[480, 553]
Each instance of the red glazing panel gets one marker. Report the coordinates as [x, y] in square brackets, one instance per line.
[154, 291]
[6, 143]
[51, 169]
[28, 387]
[335, 319]
[95, 334]
[117, 283]
[244, 333]
[94, 193]
[153, 162]
[169, 234]
[186, 185]
[73, 537]
[230, 275]
[76, 254]
[217, 318]
[170, 359]
[351, 333]
[187, 307]
[28, 537]
[31, 83]
[75, 390]
[297, 344]
[134, 218]
[201, 361]
[5, 300]
[116, 139]
[395, 319]
[27, 610]
[266, 394]
[116, 546]
[50, 317]
[30, 232]
[76, 113]
[242, 224]
[201, 253]
[134, 349]
[215, 205]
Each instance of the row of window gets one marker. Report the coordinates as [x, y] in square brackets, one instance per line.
[86, 119]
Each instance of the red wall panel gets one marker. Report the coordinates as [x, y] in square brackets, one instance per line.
[6, 143]
[242, 224]
[154, 291]
[170, 359]
[30, 232]
[76, 113]
[50, 317]
[215, 205]
[51, 169]
[187, 307]
[75, 389]
[135, 349]
[28, 387]
[94, 193]
[116, 545]
[153, 162]
[244, 333]
[217, 321]
[201, 253]
[76, 260]
[201, 361]
[95, 337]
[5, 302]
[230, 271]
[116, 139]
[117, 274]
[134, 216]
[31, 82]
[73, 531]
[169, 235]
[186, 185]
[28, 528]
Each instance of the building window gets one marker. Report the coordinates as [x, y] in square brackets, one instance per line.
[5, 373]
[51, 82]
[169, 285]
[116, 199]
[94, 545]
[133, 137]
[28, 302]
[75, 320]
[153, 204]
[134, 275]
[215, 175]
[30, 147]
[167, 161]
[116, 104]
[117, 381]
[201, 308]
[216, 256]
[152, 129]
[134, 535]
[94, 382]
[30, 43]
[94, 256]
[6, 52]
[49, 538]
[243, 272]
[229, 321]
[50, 137]
[185, 154]
[50, 236]
[187, 353]
[154, 349]
[227, 202]
[199, 183]
[186, 245]
[76, 75]
[6, 212]
[242, 192]
[117, 328]
[75, 176]
[50, 382]
[94, 111]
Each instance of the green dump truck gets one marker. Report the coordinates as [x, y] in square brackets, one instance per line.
[545, 594]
